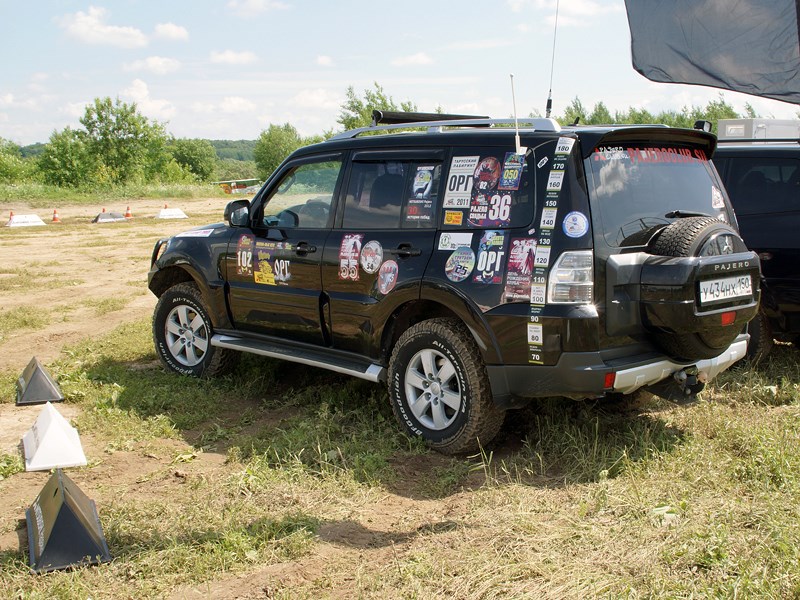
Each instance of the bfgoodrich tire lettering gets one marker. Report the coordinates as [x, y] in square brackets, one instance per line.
[439, 388]
[182, 332]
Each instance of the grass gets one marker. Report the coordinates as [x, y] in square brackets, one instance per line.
[258, 474]
[46, 196]
[20, 318]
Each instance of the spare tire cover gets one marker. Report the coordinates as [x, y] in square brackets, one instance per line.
[697, 236]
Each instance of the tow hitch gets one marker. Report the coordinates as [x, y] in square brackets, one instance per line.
[683, 387]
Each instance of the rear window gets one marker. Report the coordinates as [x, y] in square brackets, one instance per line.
[637, 186]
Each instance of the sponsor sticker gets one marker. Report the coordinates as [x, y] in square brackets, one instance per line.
[371, 256]
[460, 264]
[264, 273]
[542, 258]
[575, 224]
[535, 337]
[387, 277]
[491, 257]
[520, 267]
[459, 181]
[548, 218]
[486, 175]
[349, 253]
[452, 240]
[564, 145]
[454, 217]
[512, 171]
[244, 255]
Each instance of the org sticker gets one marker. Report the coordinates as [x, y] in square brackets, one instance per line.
[460, 264]
[575, 224]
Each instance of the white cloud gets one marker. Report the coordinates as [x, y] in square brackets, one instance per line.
[7, 99]
[316, 98]
[575, 13]
[420, 58]
[324, 61]
[170, 31]
[236, 104]
[90, 28]
[247, 8]
[74, 109]
[229, 105]
[231, 57]
[154, 64]
[139, 93]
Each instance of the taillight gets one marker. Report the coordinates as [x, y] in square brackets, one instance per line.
[571, 279]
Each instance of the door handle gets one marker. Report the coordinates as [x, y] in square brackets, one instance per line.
[406, 250]
[304, 248]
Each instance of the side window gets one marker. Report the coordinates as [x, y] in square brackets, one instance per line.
[303, 196]
[391, 195]
[758, 185]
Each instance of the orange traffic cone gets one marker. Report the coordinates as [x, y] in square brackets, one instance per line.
[56, 218]
[128, 214]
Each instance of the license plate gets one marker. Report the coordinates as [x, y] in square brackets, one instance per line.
[720, 290]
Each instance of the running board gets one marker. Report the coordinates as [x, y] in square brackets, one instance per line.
[361, 369]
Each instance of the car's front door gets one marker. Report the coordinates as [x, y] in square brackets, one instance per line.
[273, 267]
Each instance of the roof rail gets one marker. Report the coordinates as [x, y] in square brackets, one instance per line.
[535, 123]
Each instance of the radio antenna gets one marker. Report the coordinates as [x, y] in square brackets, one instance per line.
[552, 64]
[520, 149]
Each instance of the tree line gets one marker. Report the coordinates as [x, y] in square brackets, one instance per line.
[117, 145]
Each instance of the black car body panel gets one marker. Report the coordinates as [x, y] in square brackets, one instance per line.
[543, 255]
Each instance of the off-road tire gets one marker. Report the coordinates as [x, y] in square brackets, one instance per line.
[182, 331]
[686, 237]
[445, 347]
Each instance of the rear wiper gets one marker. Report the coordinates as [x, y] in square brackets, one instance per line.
[682, 214]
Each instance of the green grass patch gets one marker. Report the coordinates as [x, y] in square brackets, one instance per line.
[22, 317]
[46, 196]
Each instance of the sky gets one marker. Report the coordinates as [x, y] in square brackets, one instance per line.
[227, 69]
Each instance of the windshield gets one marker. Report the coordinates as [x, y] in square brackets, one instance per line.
[640, 187]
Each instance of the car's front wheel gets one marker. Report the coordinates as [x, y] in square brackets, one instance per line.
[182, 333]
[439, 388]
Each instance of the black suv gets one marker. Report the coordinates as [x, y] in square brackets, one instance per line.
[471, 268]
[763, 180]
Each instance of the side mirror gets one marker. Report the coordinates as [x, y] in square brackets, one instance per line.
[237, 213]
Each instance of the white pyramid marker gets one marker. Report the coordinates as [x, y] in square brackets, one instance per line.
[24, 221]
[52, 442]
[171, 213]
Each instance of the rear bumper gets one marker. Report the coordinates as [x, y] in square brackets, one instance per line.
[583, 374]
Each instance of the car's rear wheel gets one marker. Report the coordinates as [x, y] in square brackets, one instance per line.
[439, 388]
[182, 331]
[760, 343]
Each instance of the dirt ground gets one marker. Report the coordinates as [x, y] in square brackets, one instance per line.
[89, 263]
[81, 265]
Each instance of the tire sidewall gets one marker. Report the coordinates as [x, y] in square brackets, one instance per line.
[170, 300]
[405, 351]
